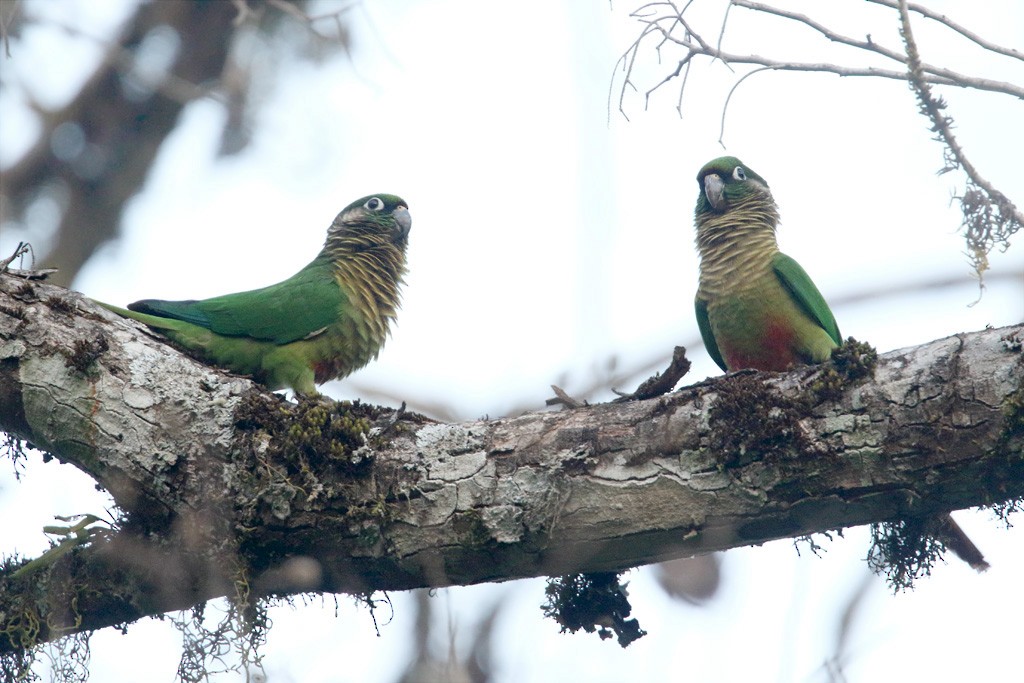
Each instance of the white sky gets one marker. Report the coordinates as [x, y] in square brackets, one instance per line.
[548, 238]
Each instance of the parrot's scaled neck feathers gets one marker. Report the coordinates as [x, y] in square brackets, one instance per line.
[738, 245]
[368, 263]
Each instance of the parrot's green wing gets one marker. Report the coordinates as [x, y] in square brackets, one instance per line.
[799, 285]
[706, 334]
[297, 308]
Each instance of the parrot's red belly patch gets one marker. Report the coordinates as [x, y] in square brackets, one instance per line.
[772, 348]
[325, 371]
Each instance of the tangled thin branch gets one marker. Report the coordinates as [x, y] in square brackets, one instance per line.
[666, 23]
[989, 217]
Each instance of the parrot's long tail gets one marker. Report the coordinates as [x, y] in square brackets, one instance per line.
[962, 546]
[151, 320]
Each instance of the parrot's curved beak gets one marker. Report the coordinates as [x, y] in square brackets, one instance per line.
[404, 220]
[714, 190]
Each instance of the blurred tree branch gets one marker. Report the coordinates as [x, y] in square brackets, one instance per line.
[120, 130]
[94, 154]
[990, 218]
[222, 485]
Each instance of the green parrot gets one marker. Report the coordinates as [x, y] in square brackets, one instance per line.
[326, 321]
[756, 307]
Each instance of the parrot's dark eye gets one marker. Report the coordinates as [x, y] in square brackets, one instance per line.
[374, 204]
[738, 173]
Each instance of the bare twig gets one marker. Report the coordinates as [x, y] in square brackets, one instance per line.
[20, 250]
[660, 383]
[564, 399]
[728, 98]
[949, 23]
[31, 273]
[867, 44]
[930, 73]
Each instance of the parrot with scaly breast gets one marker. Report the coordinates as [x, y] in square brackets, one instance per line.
[323, 323]
[756, 307]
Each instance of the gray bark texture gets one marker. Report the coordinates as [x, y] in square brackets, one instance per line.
[223, 484]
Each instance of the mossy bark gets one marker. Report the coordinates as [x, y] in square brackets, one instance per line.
[216, 476]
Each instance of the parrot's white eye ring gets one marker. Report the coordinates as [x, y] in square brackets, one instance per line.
[374, 204]
[738, 173]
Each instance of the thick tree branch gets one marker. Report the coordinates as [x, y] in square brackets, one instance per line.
[223, 483]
